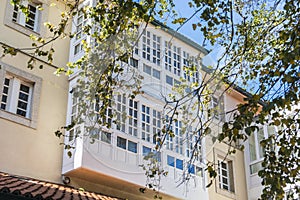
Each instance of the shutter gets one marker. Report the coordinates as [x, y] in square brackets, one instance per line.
[231, 178]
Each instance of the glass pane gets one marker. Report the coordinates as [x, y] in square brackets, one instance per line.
[121, 142]
[24, 88]
[106, 137]
[146, 151]
[23, 96]
[170, 160]
[132, 146]
[179, 164]
[191, 169]
[21, 112]
[260, 137]
[254, 168]
[22, 105]
[252, 147]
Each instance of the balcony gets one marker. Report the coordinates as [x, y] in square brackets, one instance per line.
[115, 158]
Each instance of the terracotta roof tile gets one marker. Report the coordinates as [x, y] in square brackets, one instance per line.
[36, 189]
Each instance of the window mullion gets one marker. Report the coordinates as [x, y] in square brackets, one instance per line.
[14, 97]
[21, 15]
[256, 145]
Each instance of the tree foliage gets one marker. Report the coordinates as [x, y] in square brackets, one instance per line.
[261, 44]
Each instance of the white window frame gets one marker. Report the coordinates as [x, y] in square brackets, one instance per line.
[13, 97]
[151, 47]
[25, 78]
[19, 24]
[220, 156]
[173, 58]
[20, 17]
[258, 158]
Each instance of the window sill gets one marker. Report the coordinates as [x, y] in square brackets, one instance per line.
[226, 193]
[21, 28]
[17, 119]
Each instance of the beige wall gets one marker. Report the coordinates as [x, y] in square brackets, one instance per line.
[219, 150]
[27, 151]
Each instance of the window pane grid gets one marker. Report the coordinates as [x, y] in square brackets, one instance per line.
[80, 23]
[4, 98]
[178, 137]
[22, 106]
[176, 61]
[30, 22]
[151, 47]
[133, 118]
[156, 124]
[168, 57]
[15, 14]
[224, 175]
[146, 135]
[121, 112]
[193, 146]
[74, 108]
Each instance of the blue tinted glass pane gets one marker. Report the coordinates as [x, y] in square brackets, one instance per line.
[169, 80]
[179, 164]
[191, 169]
[170, 160]
[146, 150]
[132, 146]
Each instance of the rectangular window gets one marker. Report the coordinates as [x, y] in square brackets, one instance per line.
[226, 175]
[179, 164]
[172, 58]
[156, 73]
[32, 20]
[133, 62]
[121, 112]
[106, 137]
[121, 142]
[151, 124]
[147, 69]
[171, 161]
[146, 150]
[256, 150]
[176, 61]
[151, 47]
[178, 137]
[133, 118]
[156, 124]
[191, 73]
[74, 106]
[78, 48]
[193, 145]
[146, 135]
[79, 25]
[169, 80]
[168, 57]
[4, 100]
[16, 96]
[126, 144]
[132, 146]
[19, 95]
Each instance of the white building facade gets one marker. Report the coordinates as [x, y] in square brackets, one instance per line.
[118, 152]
